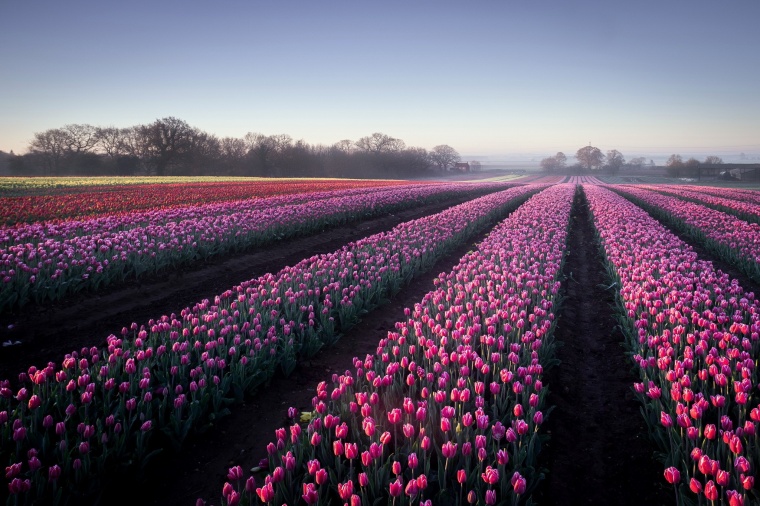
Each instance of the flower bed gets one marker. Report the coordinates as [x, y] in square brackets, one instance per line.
[695, 340]
[732, 193]
[84, 200]
[448, 409]
[45, 262]
[734, 240]
[729, 201]
[96, 413]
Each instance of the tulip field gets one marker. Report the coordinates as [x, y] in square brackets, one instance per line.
[457, 399]
[49, 260]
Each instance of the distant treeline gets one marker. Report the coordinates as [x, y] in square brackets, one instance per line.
[591, 159]
[169, 146]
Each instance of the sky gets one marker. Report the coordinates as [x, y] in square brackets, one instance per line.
[489, 78]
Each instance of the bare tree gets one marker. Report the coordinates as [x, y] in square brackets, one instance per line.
[110, 140]
[135, 141]
[590, 157]
[415, 160]
[282, 141]
[549, 164]
[475, 166]
[80, 138]
[233, 148]
[51, 147]
[561, 159]
[345, 146]
[674, 161]
[713, 160]
[637, 162]
[261, 149]
[168, 140]
[554, 163]
[444, 156]
[378, 143]
[615, 160]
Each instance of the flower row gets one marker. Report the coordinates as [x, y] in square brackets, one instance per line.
[67, 425]
[695, 340]
[732, 193]
[448, 409]
[109, 199]
[45, 263]
[727, 202]
[62, 229]
[736, 240]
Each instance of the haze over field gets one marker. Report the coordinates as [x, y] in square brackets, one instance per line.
[497, 79]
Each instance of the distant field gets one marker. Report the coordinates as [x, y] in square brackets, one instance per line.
[18, 186]
[36, 199]
[493, 179]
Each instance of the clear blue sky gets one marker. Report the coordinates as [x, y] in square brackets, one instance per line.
[486, 77]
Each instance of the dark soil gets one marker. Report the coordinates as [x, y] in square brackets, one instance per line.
[241, 438]
[49, 332]
[599, 452]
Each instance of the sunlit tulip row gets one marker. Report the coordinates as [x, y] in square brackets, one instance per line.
[104, 198]
[64, 426]
[35, 185]
[45, 262]
[735, 240]
[729, 201]
[694, 336]
[447, 411]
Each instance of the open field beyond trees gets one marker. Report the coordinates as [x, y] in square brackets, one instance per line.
[555, 340]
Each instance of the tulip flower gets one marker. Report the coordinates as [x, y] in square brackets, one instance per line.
[672, 475]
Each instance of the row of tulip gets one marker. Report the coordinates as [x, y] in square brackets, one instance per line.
[35, 233]
[43, 263]
[92, 415]
[448, 409]
[727, 202]
[694, 336]
[582, 180]
[67, 203]
[743, 194]
[41, 185]
[732, 239]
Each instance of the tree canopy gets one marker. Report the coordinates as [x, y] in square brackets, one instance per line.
[170, 146]
[590, 157]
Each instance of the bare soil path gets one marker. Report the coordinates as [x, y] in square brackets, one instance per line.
[599, 452]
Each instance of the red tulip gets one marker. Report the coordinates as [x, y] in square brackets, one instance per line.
[711, 491]
[672, 475]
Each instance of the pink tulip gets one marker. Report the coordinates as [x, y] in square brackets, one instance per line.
[449, 449]
[490, 476]
[672, 475]
[518, 483]
[396, 487]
